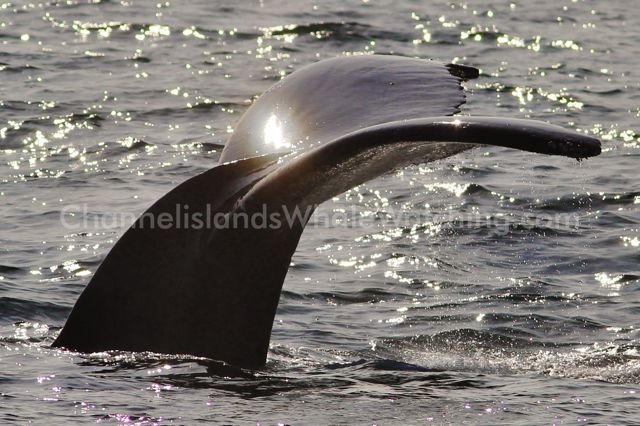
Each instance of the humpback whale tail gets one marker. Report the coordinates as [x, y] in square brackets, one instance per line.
[211, 289]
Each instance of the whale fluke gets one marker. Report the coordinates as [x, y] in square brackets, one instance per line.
[322, 173]
[211, 287]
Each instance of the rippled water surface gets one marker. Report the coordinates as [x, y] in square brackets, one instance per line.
[511, 296]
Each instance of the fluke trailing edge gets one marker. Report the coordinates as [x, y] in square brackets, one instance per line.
[213, 290]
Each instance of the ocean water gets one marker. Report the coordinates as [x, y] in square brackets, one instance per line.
[511, 295]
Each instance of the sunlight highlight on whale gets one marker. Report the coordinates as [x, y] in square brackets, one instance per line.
[273, 133]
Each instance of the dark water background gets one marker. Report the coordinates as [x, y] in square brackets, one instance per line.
[512, 296]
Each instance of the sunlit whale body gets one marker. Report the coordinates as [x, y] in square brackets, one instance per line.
[213, 290]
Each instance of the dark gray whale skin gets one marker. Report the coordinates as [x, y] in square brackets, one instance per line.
[212, 291]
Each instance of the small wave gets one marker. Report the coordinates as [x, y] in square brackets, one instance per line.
[604, 92]
[30, 333]
[587, 201]
[493, 229]
[366, 295]
[14, 137]
[123, 146]
[17, 69]
[16, 310]
[6, 269]
[338, 31]
[474, 351]
[476, 189]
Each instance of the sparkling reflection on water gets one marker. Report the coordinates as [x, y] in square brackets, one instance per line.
[510, 297]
